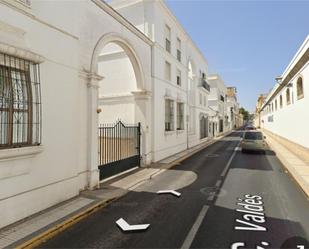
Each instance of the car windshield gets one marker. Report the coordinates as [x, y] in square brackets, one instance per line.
[253, 135]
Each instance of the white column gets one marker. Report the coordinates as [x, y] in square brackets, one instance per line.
[143, 115]
[92, 130]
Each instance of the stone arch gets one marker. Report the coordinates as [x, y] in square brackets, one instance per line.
[128, 49]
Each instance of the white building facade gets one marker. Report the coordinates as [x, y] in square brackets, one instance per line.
[49, 90]
[232, 107]
[180, 90]
[217, 104]
[62, 76]
[284, 111]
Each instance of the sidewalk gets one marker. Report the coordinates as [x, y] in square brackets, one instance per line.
[40, 227]
[294, 160]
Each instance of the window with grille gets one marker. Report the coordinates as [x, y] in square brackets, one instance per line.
[20, 102]
[169, 115]
[180, 116]
[167, 32]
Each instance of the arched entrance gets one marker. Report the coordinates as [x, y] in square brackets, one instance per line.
[120, 107]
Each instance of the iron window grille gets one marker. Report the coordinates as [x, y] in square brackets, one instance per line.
[169, 115]
[20, 102]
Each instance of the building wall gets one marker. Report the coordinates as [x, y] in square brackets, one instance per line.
[116, 100]
[291, 121]
[217, 90]
[34, 181]
[33, 178]
[156, 16]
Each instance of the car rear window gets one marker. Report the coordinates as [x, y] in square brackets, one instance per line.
[253, 135]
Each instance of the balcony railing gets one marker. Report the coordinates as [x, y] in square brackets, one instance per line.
[205, 84]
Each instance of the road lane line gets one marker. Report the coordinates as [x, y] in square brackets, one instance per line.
[229, 162]
[211, 197]
[191, 235]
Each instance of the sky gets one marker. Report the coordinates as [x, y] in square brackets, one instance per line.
[247, 42]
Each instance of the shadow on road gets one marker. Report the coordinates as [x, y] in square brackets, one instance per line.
[170, 221]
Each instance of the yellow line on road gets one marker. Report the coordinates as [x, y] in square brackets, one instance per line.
[46, 235]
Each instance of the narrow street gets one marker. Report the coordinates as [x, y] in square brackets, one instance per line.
[227, 198]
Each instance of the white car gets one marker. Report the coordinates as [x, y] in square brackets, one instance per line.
[253, 141]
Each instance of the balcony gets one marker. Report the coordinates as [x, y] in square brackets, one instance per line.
[205, 84]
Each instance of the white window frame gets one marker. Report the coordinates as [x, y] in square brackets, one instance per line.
[167, 38]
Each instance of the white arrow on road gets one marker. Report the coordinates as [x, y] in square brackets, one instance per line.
[173, 192]
[127, 227]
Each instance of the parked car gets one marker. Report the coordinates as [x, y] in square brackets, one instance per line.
[253, 141]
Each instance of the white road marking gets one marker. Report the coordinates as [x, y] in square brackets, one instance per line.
[218, 183]
[127, 227]
[191, 235]
[229, 161]
[173, 192]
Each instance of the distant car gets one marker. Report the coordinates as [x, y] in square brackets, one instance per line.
[250, 127]
[253, 141]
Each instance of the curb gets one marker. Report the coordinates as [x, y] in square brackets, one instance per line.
[46, 235]
[53, 231]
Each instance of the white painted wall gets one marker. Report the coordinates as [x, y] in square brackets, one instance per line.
[116, 100]
[33, 178]
[291, 121]
[156, 16]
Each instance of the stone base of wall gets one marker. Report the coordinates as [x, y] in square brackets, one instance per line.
[299, 150]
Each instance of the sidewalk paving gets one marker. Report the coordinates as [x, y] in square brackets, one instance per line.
[32, 231]
[294, 163]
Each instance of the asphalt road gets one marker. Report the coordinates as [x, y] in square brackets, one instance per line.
[229, 200]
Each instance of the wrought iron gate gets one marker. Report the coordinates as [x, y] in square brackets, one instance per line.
[119, 148]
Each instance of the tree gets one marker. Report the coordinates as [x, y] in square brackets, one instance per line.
[245, 113]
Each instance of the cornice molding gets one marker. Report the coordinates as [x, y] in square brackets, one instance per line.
[26, 11]
[21, 53]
